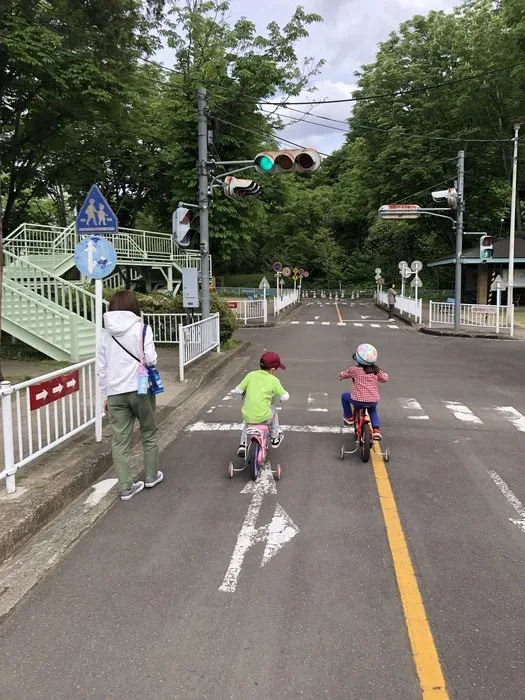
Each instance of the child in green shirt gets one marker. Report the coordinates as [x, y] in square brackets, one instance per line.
[259, 387]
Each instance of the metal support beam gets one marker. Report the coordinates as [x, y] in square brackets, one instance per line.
[202, 168]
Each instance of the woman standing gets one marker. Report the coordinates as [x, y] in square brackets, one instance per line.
[118, 361]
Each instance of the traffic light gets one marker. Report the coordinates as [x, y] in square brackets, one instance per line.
[486, 247]
[298, 160]
[234, 188]
[181, 222]
[449, 196]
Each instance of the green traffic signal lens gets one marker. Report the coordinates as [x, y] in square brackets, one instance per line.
[265, 163]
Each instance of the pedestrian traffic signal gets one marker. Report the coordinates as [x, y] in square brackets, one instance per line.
[234, 188]
[486, 248]
[298, 160]
[181, 222]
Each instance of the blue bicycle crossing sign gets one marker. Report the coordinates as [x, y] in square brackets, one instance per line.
[96, 217]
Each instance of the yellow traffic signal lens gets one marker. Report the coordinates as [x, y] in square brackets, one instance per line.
[285, 161]
[305, 160]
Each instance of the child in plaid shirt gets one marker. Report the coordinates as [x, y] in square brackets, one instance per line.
[365, 394]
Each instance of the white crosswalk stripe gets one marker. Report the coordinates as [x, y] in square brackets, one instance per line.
[462, 412]
[415, 408]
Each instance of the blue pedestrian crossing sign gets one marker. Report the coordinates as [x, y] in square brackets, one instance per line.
[96, 216]
[95, 257]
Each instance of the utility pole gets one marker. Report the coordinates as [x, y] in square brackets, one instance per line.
[459, 239]
[202, 168]
[510, 281]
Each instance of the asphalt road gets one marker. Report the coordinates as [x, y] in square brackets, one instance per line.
[135, 609]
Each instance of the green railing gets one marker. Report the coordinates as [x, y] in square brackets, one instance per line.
[66, 294]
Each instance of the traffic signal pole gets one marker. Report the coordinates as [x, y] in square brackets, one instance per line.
[459, 239]
[512, 235]
[202, 168]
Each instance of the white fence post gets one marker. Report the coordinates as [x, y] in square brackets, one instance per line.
[181, 352]
[218, 333]
[9, 448]
[265, 309]
[430, 314]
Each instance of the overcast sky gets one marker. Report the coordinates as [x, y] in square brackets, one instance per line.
[346, 39]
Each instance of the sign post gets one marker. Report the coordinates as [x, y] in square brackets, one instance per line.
[498, 286]
[96, 258]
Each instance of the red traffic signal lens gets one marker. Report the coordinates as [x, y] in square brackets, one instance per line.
[486, 241]
[305, 160]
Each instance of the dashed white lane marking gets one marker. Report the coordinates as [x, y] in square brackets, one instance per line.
[295, 323]
[413, 405]
[310, 323]
[512, 499]
[396, 327]
[513, 416]
[462, 412]
[315, 399]
[341, 323]
[375, 325]
[359, 325]
[325, 323]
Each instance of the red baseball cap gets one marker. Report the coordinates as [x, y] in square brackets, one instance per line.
[271, 360]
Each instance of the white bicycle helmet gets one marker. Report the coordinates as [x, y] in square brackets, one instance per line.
[366, 354]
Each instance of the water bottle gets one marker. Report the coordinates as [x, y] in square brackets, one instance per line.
[143, 383]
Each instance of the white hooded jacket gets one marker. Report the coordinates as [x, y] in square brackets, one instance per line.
[118, 372]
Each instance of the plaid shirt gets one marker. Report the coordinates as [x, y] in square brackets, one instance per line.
[365, 385]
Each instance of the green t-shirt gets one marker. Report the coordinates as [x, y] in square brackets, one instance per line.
[260, 387]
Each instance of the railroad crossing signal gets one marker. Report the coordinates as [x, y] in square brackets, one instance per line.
[298, 160]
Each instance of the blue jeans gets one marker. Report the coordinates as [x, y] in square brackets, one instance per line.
[348, 402]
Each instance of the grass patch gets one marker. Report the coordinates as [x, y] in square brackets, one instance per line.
[230, 344]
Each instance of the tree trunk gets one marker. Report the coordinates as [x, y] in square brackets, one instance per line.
[1, 276]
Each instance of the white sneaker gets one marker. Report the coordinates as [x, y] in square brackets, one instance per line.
[135, 488]
[276, 441]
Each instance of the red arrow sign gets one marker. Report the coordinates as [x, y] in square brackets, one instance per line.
[53, 389]
[232, 304]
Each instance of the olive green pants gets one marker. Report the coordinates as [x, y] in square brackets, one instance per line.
[123, 409]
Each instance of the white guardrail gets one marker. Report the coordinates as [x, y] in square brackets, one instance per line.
[165, 327]
[196, 339]
[478, 315]
[281, 302]
[247, 310]
[39, 414]
[405, 305]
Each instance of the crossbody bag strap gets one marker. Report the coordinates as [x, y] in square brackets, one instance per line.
[126, 350]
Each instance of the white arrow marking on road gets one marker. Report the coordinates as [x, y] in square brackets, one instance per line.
[280, 531]
[365, 317]
[42, 395]
[91, 248]
[317, 397]
[57, 389]
[511, 498]
[316, 318]
[462, 412]
[99, 491]
[71, 383]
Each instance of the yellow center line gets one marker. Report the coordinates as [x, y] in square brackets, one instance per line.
[424, 650]
[338, 313]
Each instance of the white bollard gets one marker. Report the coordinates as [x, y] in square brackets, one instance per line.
[7, 427]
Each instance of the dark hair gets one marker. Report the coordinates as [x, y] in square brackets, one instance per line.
[124, 301]
[371, 369]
